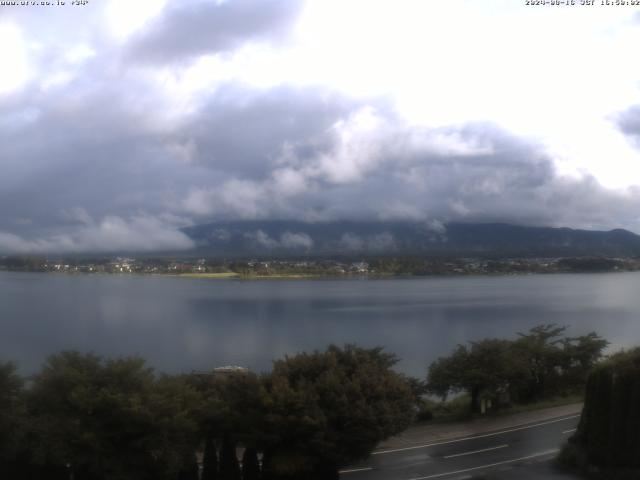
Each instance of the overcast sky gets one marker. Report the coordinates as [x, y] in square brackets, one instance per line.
[123, 121]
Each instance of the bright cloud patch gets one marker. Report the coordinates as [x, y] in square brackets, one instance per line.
[13, 58]
[111, 234]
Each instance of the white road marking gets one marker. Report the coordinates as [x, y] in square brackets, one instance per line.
[569, 431]
[437, 475]
[353, 470]
[382, 452]
[476, 451]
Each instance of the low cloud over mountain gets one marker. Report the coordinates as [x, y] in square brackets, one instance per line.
[403, 238]
[170, 114]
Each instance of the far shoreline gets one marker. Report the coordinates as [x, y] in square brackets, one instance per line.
[300, 277]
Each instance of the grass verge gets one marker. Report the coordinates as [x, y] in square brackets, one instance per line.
[457, 409]
[210, 275]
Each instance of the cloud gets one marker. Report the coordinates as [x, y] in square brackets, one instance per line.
[202, 112]
[629, 123]
[111, 234]
[197, 27]
[284, 153]
[262, 239]
[351, 242]
[369, 146]
[296, 240]
[244, 131]
[371, 165]
[288, 240]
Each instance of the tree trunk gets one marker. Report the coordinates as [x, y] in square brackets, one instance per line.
[229, 466]
[210, 461]
[189, 469]
[250, 465]
[475, 400]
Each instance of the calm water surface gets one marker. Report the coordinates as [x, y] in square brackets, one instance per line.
[180, 324]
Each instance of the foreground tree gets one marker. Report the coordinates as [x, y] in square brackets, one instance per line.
[232, 413]
[330, 408]
[110, 419]
[608, 436]
[12, 423]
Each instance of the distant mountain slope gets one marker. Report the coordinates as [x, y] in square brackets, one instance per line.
[291, 238]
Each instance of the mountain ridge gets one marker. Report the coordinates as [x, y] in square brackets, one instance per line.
[243, 238]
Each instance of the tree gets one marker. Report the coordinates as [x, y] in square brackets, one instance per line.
[231, 412]
[330, 408]
[12, 423]
[541, 349]
[172, 407]
[538, 364]
[110, 418]
[231, 405]
[608, 435]
[446, 374]
[580, 355]
[486, 369]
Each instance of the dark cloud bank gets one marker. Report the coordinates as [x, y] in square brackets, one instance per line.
[98, 167]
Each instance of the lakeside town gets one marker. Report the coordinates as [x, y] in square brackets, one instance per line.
[315, 267]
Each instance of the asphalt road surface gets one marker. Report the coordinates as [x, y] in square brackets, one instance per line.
[469, 457]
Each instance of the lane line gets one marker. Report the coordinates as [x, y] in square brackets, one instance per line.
[476, 451]
[437, 475]
[353, 470]
[569, 431]
[393, 450]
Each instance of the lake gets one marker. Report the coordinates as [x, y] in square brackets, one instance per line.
[184, 324]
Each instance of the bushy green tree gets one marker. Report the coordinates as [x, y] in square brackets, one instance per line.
[231, 412]
[539, 364]
[12, 423]
[330, 408]
[231, 405]
[97, 419]
[484, 369]
[540, 349]
[110, 418]
[580, 355]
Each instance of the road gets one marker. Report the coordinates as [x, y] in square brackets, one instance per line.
[468, 457]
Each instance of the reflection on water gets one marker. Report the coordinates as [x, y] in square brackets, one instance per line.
[180, 324]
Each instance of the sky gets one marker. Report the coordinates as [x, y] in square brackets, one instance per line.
[123, 122]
